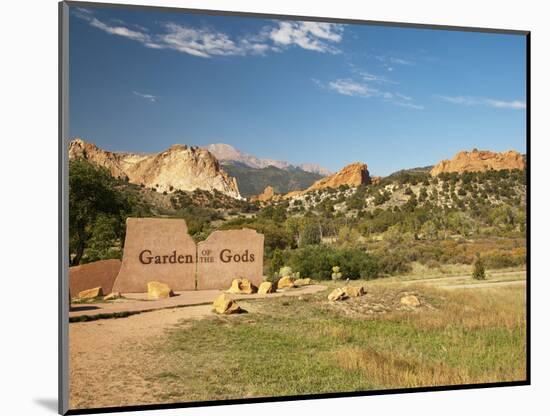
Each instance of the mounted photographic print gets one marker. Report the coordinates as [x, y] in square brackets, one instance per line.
[265, 208]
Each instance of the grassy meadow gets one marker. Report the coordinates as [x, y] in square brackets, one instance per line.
[297, 346]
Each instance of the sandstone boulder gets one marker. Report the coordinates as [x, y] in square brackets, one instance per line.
[242, 286]
[337, 294]
[303, 282]
[285, 282]
[223, 304]
[158, 290]
[354, 291]
[265, 288]
[113, 296]
[410, 300]
[96, 292]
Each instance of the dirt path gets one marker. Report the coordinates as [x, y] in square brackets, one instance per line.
[110, 356]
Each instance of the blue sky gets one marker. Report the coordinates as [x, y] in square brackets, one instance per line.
[298, 91]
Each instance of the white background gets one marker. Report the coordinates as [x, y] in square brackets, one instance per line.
[28, 174]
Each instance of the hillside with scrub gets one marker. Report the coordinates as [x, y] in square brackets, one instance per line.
[376, 227]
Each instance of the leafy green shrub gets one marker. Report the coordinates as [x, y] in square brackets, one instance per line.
[317, 262]
[285, 271]
[394, 262]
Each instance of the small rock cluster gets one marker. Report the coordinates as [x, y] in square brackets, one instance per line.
[346, 292]
[224, 305]
[242, 286]
[287, 282]
[379, 301]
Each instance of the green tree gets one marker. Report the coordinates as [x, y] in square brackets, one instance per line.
[393, 235]
[310, 233]
[276, 213]
[104, 242]
[479, 268]
[277, 261]
[348, 236]
[92, 196]
[429, 230]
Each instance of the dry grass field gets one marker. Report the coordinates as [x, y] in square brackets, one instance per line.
[302, 345]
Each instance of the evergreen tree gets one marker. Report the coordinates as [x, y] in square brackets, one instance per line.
[479, 269]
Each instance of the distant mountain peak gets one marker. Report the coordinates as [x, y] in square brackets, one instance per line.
[224, 149]
[226, 153]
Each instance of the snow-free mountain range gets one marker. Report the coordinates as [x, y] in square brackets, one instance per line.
[221, 167]
[226, 153]
[214, 167]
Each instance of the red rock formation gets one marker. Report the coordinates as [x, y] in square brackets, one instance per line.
[480, 161]
[267, 195]
[352, 175]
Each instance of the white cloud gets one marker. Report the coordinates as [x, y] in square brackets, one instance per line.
[468, 101]
[367, 76]
[120, 31]
[409, 105]
[399, 61]
[207, 42]
[149, 97]
[198, 42]
[403, 97]
[389, 62]
[517, 105]
[489, 102]
[352, 88]
[308, 35]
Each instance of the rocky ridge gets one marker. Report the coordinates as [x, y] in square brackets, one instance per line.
[180, 167]
[351, 175]
[480, 161]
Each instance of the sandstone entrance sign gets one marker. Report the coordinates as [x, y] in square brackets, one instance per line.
[158, 249]
[97, 274]
[230, 254]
